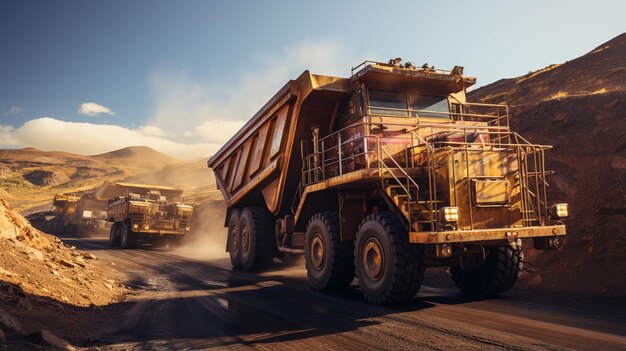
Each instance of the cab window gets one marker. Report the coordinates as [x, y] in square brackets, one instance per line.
[387, 103]
[429, 106]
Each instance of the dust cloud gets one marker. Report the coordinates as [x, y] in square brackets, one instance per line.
[207, 239]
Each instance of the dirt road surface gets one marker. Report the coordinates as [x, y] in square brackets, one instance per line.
[184, 302]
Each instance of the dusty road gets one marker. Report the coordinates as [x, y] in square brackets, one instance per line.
[197, 303]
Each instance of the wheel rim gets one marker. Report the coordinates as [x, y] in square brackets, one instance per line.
[317, 251]
[373, 259]
[245, 239]
[234, 240]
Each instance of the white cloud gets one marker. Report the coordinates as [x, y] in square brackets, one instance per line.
[14, 110]
[152, 131]
[93, 109]
[197, 110]
[191, 117]
[6, 136]
[48, 133]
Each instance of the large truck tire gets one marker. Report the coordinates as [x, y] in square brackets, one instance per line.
[329, 261]
[498, 273]
[127, 238]
[114, 235]
[258, 245]
[234, 239]
[388, 267]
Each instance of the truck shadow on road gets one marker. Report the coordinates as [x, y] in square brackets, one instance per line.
[239, 309]
[178, 302]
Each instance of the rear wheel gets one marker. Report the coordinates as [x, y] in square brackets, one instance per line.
[258, 245]
[114, 235]
[234, 239]
[128, 239]
[497, 274]
[329, 261]
[388, 268]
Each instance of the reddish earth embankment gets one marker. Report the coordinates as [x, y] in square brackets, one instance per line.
[580, 108]
[45, 283]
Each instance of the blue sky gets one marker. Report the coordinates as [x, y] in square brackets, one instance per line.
[182, 76]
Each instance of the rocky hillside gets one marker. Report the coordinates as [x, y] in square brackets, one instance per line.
[602, 70]
[30, 177]
[580, 108]
[41, 278]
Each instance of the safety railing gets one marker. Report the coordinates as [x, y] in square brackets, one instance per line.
[394, 153]
[386, 64]
[493, 114]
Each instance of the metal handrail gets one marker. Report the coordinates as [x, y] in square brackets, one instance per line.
[432, 184]
[407, 112]
[378, 63]
[382, 148]
[533, 185]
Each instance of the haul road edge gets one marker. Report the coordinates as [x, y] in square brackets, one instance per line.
[381, 175]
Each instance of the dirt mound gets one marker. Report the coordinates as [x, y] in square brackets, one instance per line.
[587, 127]
[37, 269]
[45, 283]
[5, 195]
[40, 264]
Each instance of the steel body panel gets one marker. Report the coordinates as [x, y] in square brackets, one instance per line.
[481, 235]
[258, 158]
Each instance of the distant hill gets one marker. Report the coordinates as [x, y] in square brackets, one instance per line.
[194, 177]
[141, 157]
[29, 177]
[580, 108]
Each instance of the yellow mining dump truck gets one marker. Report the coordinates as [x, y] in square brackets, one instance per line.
[64, 208]
[150, 215]
[384, 174]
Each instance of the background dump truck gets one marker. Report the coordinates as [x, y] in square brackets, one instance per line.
[154, 214]
[64, 208]
[381, 175]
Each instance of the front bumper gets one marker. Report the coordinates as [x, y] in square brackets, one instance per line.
[161, 232]
[500, 234]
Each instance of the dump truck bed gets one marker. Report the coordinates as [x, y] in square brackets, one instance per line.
[257, 165]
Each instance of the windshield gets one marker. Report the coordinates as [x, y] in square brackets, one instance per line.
[433, 104]
[390, 103]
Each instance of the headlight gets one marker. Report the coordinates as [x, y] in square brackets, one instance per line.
[450, 214]
[146, 227]
[561, 210]
[135, 226]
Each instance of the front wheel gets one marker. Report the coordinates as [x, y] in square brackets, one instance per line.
[497, 274]
[388, 267]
